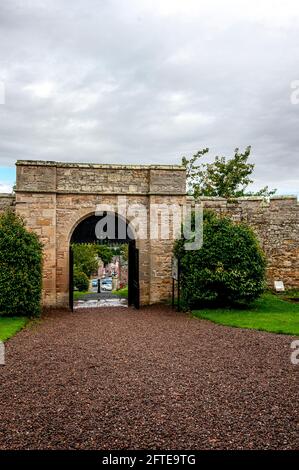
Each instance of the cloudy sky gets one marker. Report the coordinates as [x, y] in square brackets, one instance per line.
[147, 81]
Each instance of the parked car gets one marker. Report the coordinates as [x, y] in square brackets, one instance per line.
[106, 284]
[94, 283]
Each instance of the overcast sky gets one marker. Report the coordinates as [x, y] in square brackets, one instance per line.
[147, 81]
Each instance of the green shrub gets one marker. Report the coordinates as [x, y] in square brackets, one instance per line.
[20, 268]
[85, 257]
[81, 281]
[228, 269]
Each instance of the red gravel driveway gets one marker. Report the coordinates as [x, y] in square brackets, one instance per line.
[148, 379]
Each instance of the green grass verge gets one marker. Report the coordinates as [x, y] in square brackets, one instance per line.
[290, 294]
[78, 295]
[9, 326]
[269, 313]
[121, 292]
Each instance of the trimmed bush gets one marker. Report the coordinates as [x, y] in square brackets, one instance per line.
[20, 268]
[229, 268]
[81, 281]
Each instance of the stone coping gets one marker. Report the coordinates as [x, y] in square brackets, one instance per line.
[8, 195]
[244, 198]
[106, 166]
[190, 198]
[97, 193]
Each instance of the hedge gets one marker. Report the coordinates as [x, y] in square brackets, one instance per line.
[20, 268]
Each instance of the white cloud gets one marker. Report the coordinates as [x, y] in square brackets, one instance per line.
[193, 119]
[41, 89]
[5, 188]
[150, 81]
[217, 11]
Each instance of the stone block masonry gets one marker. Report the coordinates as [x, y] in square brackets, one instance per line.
[54, 197]
[276, 223]
[6, 201]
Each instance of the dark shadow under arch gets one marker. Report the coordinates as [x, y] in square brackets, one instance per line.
[85, 231]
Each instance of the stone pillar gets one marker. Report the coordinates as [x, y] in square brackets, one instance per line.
[36, 203]
[167, 195]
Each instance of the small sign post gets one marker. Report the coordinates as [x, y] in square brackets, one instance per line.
[175, 273]
[175, 268]
[179, 286]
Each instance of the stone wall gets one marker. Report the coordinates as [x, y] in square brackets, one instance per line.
[54, 197]
[6, 200]
[276, 223]
[78, 178]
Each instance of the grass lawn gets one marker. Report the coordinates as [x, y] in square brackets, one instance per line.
[78, 295]
[269, 313]
[121, 292]
[9, 326]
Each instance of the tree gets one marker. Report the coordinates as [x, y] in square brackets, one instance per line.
[229, 268]
[85, 258]
[20, 268]
[222, 178]
[122, 250]
[105, 253]
[125, 251]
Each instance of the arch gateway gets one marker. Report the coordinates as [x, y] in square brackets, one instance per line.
[54, 198]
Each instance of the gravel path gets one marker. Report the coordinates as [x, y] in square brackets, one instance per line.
[127, 379]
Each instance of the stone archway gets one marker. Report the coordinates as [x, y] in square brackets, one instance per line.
[54, 197]
[86, 232]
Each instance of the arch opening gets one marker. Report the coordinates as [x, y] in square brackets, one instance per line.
[115, 281]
